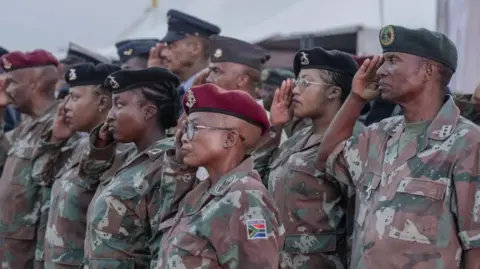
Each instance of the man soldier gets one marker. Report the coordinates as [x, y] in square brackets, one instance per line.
[11, 118]
[416, 175]
[186, 52]
[134, 53]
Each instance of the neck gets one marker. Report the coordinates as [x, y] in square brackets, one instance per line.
[192, 70]
[149, 137]
[423, 107]
[221, 167]
[321, 123]
[40, 106]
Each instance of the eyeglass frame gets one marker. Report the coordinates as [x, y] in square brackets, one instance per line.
[195, 127]
[298, 82]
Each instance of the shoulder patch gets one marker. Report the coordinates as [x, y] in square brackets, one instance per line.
[256, 229]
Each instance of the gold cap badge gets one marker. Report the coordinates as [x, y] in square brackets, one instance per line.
[113, 82]
[6, 63]
[128, 52]
[387, 36]
[218, 53]
[190, 99]
[72, 74]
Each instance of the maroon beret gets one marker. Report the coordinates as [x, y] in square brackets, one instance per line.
[18, 60]
[236, 103]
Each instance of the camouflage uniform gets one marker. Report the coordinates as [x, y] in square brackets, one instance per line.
[20, 203]
[312, 208]
[468, 110]
[416, 207]
[210, 230]
[124, 215]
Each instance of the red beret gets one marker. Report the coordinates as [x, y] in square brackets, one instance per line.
[18, 60]
[236, 103]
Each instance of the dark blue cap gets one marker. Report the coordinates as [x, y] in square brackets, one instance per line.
[128, 49]
[181, 25]
[77, 54]
[89, 74]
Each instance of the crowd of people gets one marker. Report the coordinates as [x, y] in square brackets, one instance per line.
[188, 153]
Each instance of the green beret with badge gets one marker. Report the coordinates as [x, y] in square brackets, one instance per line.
[420, 42]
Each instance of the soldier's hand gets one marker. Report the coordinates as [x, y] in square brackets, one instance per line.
[61, 129]
[280, 111]
[105, 137]
[4, 98]
[365, 81]
[154, 58]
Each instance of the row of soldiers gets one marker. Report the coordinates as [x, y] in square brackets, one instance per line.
[169, 161]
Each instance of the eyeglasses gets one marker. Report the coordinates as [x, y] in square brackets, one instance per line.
[303, 83]
[190, 127]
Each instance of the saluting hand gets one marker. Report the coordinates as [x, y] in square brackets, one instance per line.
[280, 111]
[61, 129]
[4, 99]
[178, 137]
[365, 81]
[154, 58]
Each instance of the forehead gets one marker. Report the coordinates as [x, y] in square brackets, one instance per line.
[203, 117]
[82, 89]
[126, 95]
[314, 73]
[402, 56]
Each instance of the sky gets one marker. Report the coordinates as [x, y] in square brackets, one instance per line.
[51, 24]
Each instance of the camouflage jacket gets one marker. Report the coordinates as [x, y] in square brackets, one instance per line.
[232, 224]
[417, 208]
[124, 215]
[20, 203]
[468, 110]
[312, 207]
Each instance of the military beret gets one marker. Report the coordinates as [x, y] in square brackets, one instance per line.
[235, 103]
[420, 42]
[227, 49]
[181, 25]
[89, 74]
[128, 49]
[275, 76]
[154, 78]
[319, 58]
[18, 60]
[77, 54]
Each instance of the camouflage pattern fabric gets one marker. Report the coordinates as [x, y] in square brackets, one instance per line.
[312, 207]
[232, 224]
[295, 125]
[416, 208]
[468, 110]
[124, 216]
[20, 202]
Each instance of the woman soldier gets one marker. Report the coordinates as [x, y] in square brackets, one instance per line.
[229, 219]
[124, 215]
[312, 208]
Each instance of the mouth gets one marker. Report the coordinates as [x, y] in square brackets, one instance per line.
[68, 119]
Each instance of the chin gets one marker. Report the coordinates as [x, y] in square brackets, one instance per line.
[192, 162]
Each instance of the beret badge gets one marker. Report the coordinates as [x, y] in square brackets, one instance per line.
[6, 64]
[387, 36]
[304, 58]
[190, 99]
[72, 74]
[113, 82]
[128, 52]
[218, 53]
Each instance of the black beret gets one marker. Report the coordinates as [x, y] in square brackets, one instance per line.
[180, 25]
[275, 76]
[319, 58]
[89, 74]
[77, 54]
[420, 42]
[128, 49]
[3, 51]
[155, 78]
[227, 49]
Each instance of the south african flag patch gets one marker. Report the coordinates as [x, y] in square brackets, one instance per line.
[256, 229]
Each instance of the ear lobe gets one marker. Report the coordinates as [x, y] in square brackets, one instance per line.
[150, 111]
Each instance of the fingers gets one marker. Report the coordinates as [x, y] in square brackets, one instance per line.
[363, 68]
[152, 53]
[373, 64]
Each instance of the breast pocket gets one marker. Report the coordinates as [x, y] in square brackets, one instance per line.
[367, 190]
[419, 204]
[122, 215]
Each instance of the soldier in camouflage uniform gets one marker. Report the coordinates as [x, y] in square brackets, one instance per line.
[31, 79]
[416, 176]
[85, 107]
[124, 215]
[312, 207]
[229, 220]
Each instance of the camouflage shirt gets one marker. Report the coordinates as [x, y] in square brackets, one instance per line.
[124, 216]
[232, 224]
[418, 207]
[20, 203]
[312, 207]
[468, 110]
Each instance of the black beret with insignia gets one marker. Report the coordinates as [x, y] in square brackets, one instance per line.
[128, 49]
[420, 42]
[181, 25]
[275, 76]
[155, 78]
[89, 74]
[319, 58]
[227, 49]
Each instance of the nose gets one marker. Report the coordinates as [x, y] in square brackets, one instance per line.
[165, 52]
[184, 138]
[110, 115]
[382, 70]
[68, 105]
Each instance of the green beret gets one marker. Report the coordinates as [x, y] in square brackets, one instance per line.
[420, 42]
[275, 76]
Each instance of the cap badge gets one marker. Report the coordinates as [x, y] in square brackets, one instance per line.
[218, 53]
[387, 36]
[72, 74]
[304, 58]
[190, 99]
[264, 75]
[113, 82]
[128, 52]
[6, 63]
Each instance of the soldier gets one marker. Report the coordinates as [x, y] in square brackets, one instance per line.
[187, 47]
[228, 220]
[134, 53]
[312, 208]
[416, 176]
[469, 105]
[124, 215]
[85, 108]
[11, 118]
[31, 79]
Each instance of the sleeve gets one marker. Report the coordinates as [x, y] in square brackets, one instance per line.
[467, 109]
[263, 154]
[6, 141]
[249, 221]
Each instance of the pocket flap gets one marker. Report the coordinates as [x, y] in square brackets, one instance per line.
[190, 243]
[423, 187]
[310, 243]
[111, 263]
[18, 231]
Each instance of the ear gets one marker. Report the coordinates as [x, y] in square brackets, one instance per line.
[429, 68]
[242, 82]
[232, 139]
[104, 103]
[150, 111]
[333, 92]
